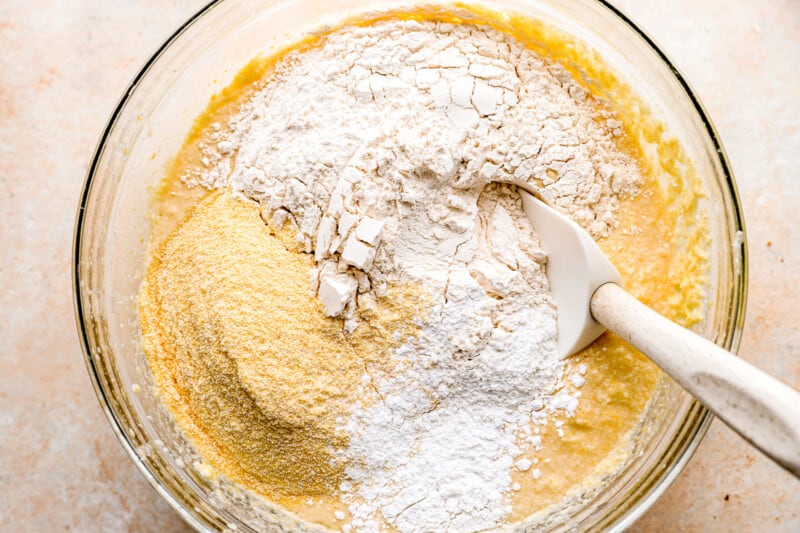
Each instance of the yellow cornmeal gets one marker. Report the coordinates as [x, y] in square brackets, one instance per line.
[274, 372]
[254, 371]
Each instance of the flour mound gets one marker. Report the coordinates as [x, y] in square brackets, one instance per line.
[392, 150]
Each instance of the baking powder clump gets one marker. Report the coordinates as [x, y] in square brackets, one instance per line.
[391, 152]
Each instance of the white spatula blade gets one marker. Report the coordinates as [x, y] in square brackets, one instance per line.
[576, 267]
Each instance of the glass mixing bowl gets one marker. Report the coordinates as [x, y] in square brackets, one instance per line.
[149, 126]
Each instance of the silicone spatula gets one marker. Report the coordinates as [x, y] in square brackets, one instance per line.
[590, 299]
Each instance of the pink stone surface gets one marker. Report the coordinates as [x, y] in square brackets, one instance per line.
[63, 65]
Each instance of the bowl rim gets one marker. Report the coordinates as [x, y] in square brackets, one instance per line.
[704, 416]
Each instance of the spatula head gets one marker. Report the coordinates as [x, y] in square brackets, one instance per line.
[576, 267]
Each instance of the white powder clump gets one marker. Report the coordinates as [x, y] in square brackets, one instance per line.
[433, 450]
[392, 150]
[523, 465]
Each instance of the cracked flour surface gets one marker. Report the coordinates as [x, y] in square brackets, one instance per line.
[392, 150]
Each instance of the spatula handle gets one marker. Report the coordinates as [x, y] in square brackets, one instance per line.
[760, 408]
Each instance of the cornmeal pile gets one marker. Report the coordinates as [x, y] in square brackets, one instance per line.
[253, 361]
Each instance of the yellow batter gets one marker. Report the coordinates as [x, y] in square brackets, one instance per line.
[659, 249]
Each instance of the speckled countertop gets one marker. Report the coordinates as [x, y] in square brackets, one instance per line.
[63, 65]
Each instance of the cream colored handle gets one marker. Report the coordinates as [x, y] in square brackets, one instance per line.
[760, 408]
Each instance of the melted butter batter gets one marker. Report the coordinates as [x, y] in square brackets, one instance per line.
[660, 248]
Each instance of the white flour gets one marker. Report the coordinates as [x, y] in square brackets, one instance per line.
[379, 147]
